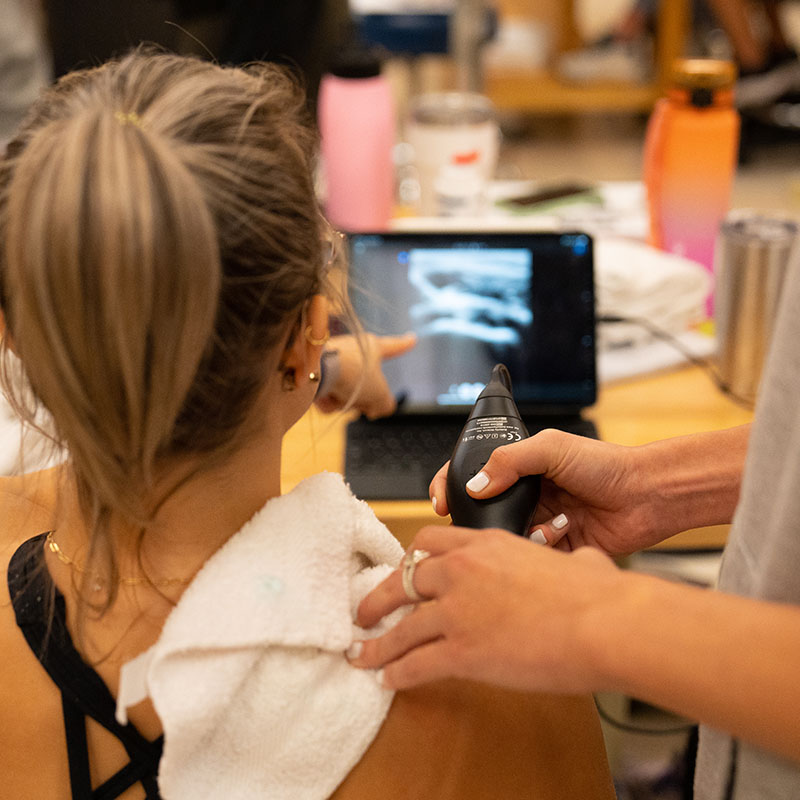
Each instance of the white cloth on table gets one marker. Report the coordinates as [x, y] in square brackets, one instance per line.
[634, 280]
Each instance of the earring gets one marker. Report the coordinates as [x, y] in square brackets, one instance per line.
[289, 384]
[314, 377]
[316, 342]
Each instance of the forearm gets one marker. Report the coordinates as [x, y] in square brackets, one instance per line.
[727, 661]
[694, 480]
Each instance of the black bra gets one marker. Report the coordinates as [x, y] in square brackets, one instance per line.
[83, 692]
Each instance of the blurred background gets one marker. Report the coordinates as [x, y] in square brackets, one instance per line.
[572, 81]
[570, 85]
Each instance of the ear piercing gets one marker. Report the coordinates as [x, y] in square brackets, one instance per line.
[316, 342]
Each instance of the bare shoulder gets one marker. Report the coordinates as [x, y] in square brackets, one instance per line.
[27, 507]
[29, 702]
[457, 739]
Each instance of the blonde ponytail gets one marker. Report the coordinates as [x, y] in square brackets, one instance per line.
[108, 239]
[160, 233]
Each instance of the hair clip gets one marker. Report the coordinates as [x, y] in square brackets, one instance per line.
[128, 118]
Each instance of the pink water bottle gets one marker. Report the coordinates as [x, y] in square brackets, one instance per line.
[357, 124]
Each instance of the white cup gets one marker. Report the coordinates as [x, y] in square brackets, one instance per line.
[443, 127]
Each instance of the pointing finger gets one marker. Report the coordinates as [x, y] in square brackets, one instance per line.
[393, 346]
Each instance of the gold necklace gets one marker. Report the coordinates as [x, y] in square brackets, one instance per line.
[99, 581]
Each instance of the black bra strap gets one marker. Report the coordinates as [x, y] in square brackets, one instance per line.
[80, 778]
[83, 691]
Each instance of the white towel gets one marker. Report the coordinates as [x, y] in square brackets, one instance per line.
[633, 279]
[249, 676]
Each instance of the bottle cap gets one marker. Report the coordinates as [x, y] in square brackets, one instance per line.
[356, 61]
[703, 73]
[703, 82]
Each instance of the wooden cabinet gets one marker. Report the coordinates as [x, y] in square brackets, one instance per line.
[525, 90]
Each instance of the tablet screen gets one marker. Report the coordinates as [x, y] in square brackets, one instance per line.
[475, 299]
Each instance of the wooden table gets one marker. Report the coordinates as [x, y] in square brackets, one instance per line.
[632, 412]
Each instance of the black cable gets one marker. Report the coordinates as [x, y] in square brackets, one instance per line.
[628, 727]
[665, 336]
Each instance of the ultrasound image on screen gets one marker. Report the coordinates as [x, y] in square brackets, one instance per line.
[468, 302]
[472, 305]
[481, 295]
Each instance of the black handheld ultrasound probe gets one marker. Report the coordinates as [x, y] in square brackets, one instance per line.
[493, 421]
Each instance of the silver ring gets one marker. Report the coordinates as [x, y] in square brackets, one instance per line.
[410, 561]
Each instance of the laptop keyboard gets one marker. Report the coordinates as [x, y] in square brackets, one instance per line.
[396, 458]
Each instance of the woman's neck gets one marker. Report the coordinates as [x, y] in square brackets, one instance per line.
[195, 520]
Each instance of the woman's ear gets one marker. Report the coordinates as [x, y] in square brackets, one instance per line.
[303, 350]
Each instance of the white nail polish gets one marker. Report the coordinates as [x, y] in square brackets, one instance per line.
[433, 502]
[478, 482]
[537, 537]
[559, 522]
[354, 651]
[379, 677]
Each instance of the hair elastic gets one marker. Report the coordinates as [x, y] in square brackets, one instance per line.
[128, 118]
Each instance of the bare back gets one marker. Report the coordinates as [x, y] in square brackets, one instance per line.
[449, 740]
[33, 753]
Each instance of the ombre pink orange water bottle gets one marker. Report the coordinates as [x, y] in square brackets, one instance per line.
[691, 151]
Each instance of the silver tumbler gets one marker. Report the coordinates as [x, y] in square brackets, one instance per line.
[752, 256]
